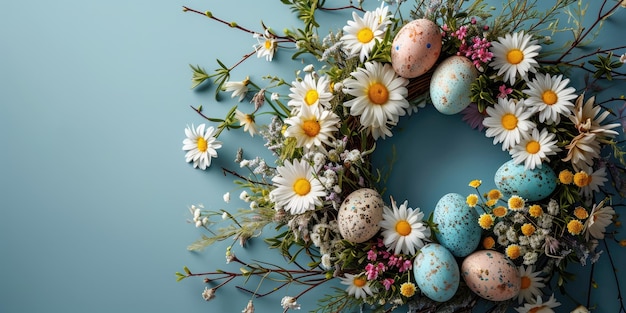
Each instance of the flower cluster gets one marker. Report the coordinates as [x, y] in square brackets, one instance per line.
[325, 195]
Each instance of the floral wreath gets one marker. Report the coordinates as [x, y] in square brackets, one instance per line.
[555, 202]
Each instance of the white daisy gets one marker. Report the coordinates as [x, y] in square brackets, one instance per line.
[600, 217]
[582, 150]
[358, 286]
[247, 121]
[308, 92]
[380, 95]
[515, 54]
[585, 117]
[539, 306]
[297, 189]
[266, 46]
[531, 284]
[535, 149]
[361, 34]
[403, 229]
[508, 122]
[312, 128]
[596, 178]
[550, 96]
[200, 145]
[238, 88]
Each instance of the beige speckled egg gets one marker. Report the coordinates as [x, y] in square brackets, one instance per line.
[491, 275]
[359, 215]
[416, 48]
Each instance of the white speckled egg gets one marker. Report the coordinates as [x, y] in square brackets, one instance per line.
[436, 272]
[491, 275]
[416, 48]
[359, 215]
[458, 225]
[532, 185]
[450, 84]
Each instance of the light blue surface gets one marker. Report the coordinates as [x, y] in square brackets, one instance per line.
[94, 98]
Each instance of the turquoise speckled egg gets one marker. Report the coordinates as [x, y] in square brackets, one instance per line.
[416, 48]
[458, 225]
[532, 185]
[450, 84]
[436, 272]
[491, 275]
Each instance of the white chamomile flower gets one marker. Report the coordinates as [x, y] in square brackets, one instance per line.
[312, 128]
[531, 284]
[200, 145]
[508, 122]
[583, 150]
[358, 286]
[403, 229]
[515, 54]
[535, 149]
[599, 219]
[266, 46]
[247, 121]
[239, 89]
[297, 189]
[588, 119]
[550, 96]
[380, 96]
[311, 93]
[595, 180]
[539, 306]
[361, 34]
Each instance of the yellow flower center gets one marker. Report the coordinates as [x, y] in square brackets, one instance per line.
[365, 35]
[311, 127]
[575, 227]
[311, 97]
[566, 177]
[536, 309]
[359, 282]
[489, 243]
[533, 147]
[202, 144]
[516, 203]
[403, 228]
[549, 97]
[513, 252]
[580, 213]
[302, 186]
[499, 211]
[528, 229]
[525, 282]
[509, 121]
[582, 179]
[378, 93]
[515, 56]
[268, 44]
[535, 210]
[485, 221]
[494, 194]
[407, 289]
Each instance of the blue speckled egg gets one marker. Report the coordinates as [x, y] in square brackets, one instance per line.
[436, 272]
[491, 275]
[532, 185]
[458, 225]
[416, 48]
[450, 84]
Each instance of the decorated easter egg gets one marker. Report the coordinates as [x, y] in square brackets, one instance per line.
[450, 84]
[436, 272]
[416, 48]
[457, 223]
[359, 215]
[491, 275]
[532, 185]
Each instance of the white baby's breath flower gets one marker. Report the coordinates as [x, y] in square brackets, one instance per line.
[275, 96]
[325, 261]
[226, 197]
[289, 303]
[622, 58]
[244, 196]
[208, 293]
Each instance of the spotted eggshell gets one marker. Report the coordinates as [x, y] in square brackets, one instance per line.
[450, 84]
[359, 215]
[436, 272]
[458, 225]
[416, 48]
[491, 275]
[532, 185]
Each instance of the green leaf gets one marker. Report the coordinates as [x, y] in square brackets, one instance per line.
[201, 243]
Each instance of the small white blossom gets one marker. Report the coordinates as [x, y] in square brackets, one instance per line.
[326, 264]
[249, 308]
[275, 96]
[226, 197]
[224, 215]
[309, 68]
[244, 196]
[289, 303]
[208, 294]
[622, 58]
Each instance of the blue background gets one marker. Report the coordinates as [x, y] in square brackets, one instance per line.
[94, 99]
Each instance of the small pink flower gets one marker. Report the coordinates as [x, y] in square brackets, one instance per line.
[372, 271]
[387, 282]
[473, 21]
[406, 266]
[372, 255]
[504, 91]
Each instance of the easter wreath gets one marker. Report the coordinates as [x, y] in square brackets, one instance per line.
[555, 202]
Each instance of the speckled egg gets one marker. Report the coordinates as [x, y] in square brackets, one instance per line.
[416, 48]
[458, 225]
[491, 275]
[359, 215]
[532, 185]
[436, 272]
[450, 84]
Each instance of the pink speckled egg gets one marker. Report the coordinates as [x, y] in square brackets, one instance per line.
[491, 275]
[416, 48]
[359, 215]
